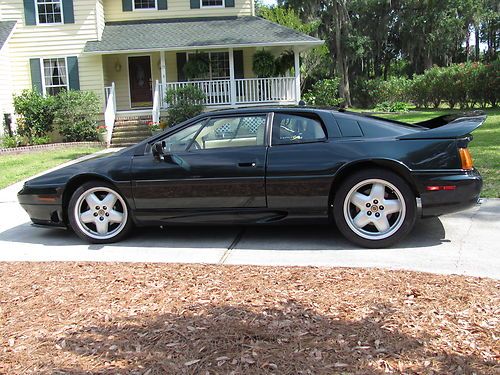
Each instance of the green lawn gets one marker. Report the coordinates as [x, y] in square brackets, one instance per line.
[15, 168]
[485, 147]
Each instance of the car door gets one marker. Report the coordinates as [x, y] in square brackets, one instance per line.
[217, 163]
[301, 164]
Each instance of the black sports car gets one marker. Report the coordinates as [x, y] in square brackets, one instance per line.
[372, 176]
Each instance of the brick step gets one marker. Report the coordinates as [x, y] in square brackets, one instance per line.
[121, 144]
[132, 140]
[131, 132]
[119, 123]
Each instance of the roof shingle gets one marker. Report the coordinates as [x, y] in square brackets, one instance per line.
[195, 32]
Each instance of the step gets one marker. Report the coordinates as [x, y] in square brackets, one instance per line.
[131, 132]
[115, 140]
[122, 144]
[119, 123]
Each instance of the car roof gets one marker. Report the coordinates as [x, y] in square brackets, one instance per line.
[274, 108]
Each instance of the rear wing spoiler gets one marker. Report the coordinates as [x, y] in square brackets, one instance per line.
[448, 126]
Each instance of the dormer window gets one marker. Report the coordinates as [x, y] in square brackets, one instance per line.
[144, 4]
[212, 3]
[49, 11]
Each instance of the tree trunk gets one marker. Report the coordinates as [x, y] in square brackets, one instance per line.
[342, 67]
[477, 42]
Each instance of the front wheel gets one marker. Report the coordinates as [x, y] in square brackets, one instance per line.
[374, 208]
[98, 213]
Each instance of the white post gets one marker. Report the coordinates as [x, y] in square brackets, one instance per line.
[163, 70]
[232, 82]
[297, 74]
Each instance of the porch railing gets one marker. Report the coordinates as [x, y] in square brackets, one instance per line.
[110, 112]
[279, 90]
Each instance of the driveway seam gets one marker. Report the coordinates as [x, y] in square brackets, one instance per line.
[233, 244]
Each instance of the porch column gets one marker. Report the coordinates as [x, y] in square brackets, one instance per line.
[232, 82]
[163, 70]
[297, 74]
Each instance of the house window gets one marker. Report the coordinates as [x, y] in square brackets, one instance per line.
[212, 3]
[49, 11]
[55, 75]
[144, 4]
[218, 65]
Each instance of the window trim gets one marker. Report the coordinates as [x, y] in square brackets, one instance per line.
[310, 116]
[42, 70]
[212, 6]
[209, 53]
[37, 18]
[144, 9]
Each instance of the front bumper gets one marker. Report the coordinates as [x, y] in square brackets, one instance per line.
[43, 205]
[466, 194]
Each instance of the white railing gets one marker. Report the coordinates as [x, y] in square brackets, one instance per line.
[156, 102]
[110, 112]
[265, 90]
[248, 91]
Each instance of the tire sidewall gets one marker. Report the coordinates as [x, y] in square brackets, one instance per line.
[397, 181]
[72, 220]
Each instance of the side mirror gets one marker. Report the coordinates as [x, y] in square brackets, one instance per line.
[158, 150]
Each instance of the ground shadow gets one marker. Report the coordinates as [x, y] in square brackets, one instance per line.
[427, 232]
[287, 339]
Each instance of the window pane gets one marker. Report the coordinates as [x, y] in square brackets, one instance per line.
[232, 132]
[219, 63]
[55, 75]
[212, 3]
[182, 139]
[144, 4]
[49, 11]
[296, 129]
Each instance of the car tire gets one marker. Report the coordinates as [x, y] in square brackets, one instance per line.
[98, 213]
[374, 208]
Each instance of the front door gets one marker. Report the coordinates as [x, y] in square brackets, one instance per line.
[139, 71]
[215, 164]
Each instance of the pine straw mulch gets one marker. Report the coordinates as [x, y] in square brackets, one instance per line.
[199, 319]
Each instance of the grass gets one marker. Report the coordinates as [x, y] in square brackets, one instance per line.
[18, 167]
[485, 147]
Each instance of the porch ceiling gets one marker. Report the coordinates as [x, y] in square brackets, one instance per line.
[196, 33]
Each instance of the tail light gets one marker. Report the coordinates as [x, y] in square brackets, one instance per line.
[465, 158]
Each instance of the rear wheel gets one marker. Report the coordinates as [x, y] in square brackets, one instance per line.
[98, 213]
[374, 208]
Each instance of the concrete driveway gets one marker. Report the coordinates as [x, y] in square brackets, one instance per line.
[466, 243]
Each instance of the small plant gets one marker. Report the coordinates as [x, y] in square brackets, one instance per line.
[324, 93]
[10, 141]
[197, 66]
[76, 115]
[36, 111]
[40, 140]
[185, 102]
[264, 65]
[101, 129]
[154, 126]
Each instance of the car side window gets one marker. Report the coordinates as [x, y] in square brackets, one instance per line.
[223, 132]
[181, 140]
[290, 129]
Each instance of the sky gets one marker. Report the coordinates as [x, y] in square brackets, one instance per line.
[268, 2]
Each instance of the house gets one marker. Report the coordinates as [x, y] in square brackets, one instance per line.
[130, 52]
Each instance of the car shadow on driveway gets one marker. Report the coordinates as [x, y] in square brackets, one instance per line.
[427, 233]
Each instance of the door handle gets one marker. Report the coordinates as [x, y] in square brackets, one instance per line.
[251, 164]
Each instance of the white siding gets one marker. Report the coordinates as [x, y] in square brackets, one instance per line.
[176, 9]
[54, 41]
[5, 84]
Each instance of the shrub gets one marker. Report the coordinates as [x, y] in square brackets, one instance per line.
[392, 107]
[185, 103]
[324, 93]
[10, 141]
[264, 64]
[76, 115]
[37, 113]
[370, 93]
[197, 66]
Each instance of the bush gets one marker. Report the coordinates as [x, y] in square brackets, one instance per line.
[197, 66]
[370, 93]
[392, 107]
[11, 141]
[264, 64]
[76, 115]
[324, 93]
[185, 103]
[36, 111]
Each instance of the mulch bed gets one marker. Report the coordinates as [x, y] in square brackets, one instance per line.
[81, 318]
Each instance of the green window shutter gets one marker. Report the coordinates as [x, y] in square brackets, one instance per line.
[195, 4]
[36, 75]
[67, 7]
[181, 61]
[162, 4]
[127, 5]
[230, 3]
[73, 75]
[29, 12]
[239, 68]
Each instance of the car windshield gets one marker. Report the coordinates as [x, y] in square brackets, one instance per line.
[182, 139]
